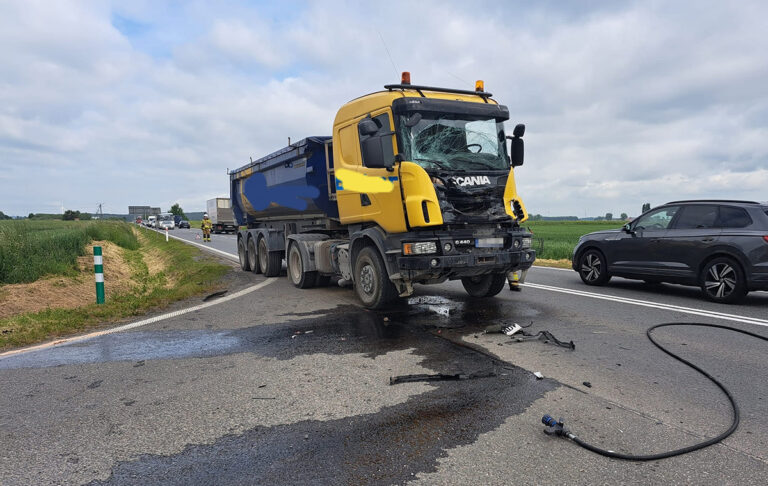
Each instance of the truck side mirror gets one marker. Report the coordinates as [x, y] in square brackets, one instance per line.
[373, 152]
[367, 127]
[517, 149]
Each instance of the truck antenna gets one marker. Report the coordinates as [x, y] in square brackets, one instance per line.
[388, 54]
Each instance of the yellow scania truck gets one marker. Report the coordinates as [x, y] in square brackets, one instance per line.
[415, 185]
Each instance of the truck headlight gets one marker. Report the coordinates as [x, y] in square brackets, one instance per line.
[420, 248]
[527, 242]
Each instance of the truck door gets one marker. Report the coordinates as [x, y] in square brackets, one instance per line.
[359, 200]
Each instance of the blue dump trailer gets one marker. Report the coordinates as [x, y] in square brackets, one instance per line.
[416, 185]
[292, 182]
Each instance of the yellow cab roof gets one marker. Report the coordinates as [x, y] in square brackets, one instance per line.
[380, 99]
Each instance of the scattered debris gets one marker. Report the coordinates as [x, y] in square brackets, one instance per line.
[214, 295]
[545, 336]
[297, 333]
[538, 375]
[587, 384]
[511, 330]
[492, 329]
[394, 380]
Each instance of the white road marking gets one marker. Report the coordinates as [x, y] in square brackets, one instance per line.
[134, 325]
[645, 303]
[554, 268]
[210, 248]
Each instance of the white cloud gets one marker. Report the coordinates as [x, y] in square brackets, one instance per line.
[624, 103]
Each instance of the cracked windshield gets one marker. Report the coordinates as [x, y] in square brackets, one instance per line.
[453, 142]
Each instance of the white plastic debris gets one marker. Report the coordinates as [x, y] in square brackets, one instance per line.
[538, 375]
[510, 330]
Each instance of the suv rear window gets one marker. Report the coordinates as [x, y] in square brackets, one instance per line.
[732, 217]
[698, 216]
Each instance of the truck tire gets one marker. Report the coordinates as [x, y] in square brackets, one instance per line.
[299, 278]
[372, 283]
[253, 256]
[269, 261]
[245, 265]
[484, 285]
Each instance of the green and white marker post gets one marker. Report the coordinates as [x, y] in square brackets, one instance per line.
[98, 268]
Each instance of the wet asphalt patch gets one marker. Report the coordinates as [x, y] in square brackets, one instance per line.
[390, 446]
[342, 330]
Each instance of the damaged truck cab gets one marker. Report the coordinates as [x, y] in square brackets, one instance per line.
[415, 185]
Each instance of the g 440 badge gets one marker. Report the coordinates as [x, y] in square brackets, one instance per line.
[472, 180]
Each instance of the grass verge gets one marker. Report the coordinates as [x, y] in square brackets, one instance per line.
[187, 272]
[32, 249]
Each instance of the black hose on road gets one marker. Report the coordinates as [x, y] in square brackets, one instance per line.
[557, 428]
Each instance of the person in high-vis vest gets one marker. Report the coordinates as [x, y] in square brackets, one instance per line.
[206, 226]
[515, 279]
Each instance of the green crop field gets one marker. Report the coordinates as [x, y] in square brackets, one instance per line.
[555, 240]
[32, 249]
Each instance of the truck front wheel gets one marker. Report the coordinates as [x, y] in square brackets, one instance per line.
[371, 281]
[484, 285]
[299, 278]
[270, 261]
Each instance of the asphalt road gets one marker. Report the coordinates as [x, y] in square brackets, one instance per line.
[284, 386]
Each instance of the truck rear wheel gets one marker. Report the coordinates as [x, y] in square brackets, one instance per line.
[299, 278]
[372, 283]
[245, 265]
[484, 285]
[253, 257]
[270, 261]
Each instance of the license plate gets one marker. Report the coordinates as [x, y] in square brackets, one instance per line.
[489, 242]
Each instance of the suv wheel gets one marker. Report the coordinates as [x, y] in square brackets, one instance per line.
[723, 281]
[592, 268]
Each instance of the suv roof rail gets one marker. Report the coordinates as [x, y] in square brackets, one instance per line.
[483, 94]
[713, 200]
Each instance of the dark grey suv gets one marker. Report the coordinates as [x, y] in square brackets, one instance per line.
[720, 246]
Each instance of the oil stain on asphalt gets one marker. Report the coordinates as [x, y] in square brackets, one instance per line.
[389, 446]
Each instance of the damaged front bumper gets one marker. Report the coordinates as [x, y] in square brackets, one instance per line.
[464, 255]
[469, 264]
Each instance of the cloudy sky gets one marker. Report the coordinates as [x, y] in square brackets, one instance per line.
[149, 102]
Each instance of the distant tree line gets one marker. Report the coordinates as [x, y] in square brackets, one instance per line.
[70, 215]
[4, 216]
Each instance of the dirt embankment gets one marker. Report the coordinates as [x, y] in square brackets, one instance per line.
[69, 292]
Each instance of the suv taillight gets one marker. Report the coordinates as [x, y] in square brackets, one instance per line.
[765, 238]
